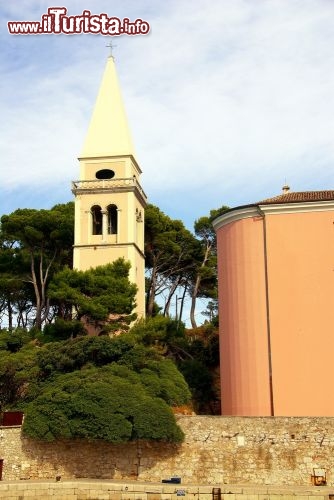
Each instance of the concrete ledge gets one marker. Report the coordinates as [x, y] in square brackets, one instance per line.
[132, 490]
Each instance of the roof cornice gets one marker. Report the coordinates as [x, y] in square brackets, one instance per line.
[296, 207]
[235, 215]
[248, 211]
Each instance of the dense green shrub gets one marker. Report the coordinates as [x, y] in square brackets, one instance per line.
[61, 330]
[115, 389]
[17, 370]
[73, 354]
[12, 341]
[98, 403]
[195, 352]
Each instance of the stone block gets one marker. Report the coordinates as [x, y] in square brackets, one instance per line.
[115, 495]
[126, 495]
[228, 496]
[13, 496]
[32, 493]
[205, 496]
[251, 496]
[265, 496]
[66, 497]
[128, 487]
[153, 496]
[67, 491]
[286, 496]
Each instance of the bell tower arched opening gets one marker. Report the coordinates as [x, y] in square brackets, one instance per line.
[112, 219]
[96, 212]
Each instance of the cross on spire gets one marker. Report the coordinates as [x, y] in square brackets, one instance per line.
[111, 47]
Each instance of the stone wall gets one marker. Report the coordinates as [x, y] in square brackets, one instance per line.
[217, 450]
[112, 490]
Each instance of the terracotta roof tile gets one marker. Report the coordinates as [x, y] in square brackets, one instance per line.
[295, 197]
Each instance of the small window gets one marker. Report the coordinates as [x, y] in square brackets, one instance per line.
[112, 219]
[96, 219]
[106, 173]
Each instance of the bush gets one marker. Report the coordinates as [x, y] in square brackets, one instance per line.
[13, 340]
[62, 330]
[72, 355]
[98, 403]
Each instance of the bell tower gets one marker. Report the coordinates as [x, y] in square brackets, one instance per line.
[109, 200]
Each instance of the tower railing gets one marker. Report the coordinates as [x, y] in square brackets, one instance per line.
[111, 184]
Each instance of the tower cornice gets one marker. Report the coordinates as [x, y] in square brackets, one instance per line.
[94, 246]
[106, 158]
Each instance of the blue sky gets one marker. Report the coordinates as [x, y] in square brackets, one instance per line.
[227, 100]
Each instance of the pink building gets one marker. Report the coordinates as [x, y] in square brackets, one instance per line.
[276, 299]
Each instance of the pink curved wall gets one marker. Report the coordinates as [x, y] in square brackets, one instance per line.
[300, 249]
[243, 347]
[298, 315]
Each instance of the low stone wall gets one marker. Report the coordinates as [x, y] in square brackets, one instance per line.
[217, 450]
[105, 490]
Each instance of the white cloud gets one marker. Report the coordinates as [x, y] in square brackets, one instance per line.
[224, 98]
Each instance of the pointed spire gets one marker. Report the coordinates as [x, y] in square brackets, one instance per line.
[108, 132]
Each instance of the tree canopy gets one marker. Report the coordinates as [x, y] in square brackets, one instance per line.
[171, 253]
[117, 389]
[180, 263]
[102, 296]
[195, 352]
[114, 389]
[38, 285]
[109, 403]
[35, 243]
[205, 278]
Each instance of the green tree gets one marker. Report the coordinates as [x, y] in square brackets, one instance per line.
[114, 389]
[170, 251]
[16, 295]
[195, 353]
[98, 404]
[159, 375]
[61, 329]
[44, 239]
[205, 278]
[212, 312]
[68, 356]
[18, 366]
[200, 381]
[166, 335]
[102, 296]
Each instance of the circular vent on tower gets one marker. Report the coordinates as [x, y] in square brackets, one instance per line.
[106, 173]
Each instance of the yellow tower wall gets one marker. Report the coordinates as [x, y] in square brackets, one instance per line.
[109, 175]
